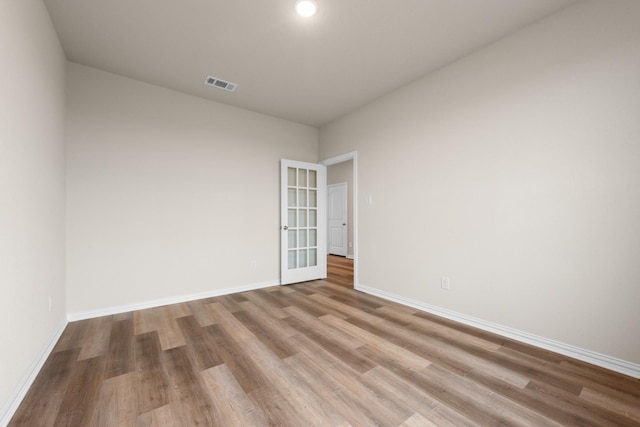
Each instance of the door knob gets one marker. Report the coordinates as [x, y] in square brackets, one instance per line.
[285, 228]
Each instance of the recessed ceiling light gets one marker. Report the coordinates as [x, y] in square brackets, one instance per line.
[306, 8]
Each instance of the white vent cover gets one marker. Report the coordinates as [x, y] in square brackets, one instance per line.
[220, 84]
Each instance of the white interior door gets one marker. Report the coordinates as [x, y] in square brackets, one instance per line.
[337, 218]
[303, 221]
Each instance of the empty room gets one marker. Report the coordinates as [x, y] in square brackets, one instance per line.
[320, 213]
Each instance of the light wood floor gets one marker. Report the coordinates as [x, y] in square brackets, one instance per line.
[312, 354]
[340, 270]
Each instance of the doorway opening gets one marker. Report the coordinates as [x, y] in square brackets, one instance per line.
[338, 242]
[343, 267]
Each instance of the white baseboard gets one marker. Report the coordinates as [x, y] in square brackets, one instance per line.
[20, 391]
[107, 311]
[350, 256]
[608, 362]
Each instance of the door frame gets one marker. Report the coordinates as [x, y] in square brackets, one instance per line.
[352, 155]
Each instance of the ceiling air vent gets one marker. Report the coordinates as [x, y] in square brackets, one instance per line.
[220, 84]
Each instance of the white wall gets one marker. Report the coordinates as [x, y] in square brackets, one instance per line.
[516, 172]
[168, 194]
[32, 187]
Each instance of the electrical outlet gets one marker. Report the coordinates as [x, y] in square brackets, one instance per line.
[444, 283]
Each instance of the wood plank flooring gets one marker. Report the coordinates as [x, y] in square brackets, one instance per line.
[340, 270]
[312, 354]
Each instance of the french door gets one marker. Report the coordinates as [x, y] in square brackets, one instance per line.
[302, 221]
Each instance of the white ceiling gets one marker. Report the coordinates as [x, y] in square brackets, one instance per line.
[308, 70]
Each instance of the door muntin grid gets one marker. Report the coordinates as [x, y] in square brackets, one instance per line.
[302, 215]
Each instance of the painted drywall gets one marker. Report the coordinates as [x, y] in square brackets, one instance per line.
[169, 194]
[32, 188]
[514, 171]
[339, 173]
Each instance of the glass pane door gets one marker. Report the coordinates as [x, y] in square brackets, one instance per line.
[302, 187]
